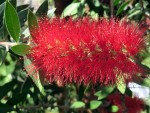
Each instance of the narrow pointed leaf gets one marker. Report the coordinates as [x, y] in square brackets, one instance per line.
[12, 21]
[30, 68]
[121, 8]
[21, 49]
[42, 10]
[32, 21]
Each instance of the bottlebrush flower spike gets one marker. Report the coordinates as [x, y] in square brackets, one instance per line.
[126, 103]
[86, 50]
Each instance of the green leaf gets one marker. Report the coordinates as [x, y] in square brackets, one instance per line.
[7, 69]
[94, 104]
[104, 92]
[12, 21]
[42, 10]
[21, 49]
[116, 2]
[34, 75]
[114, 108]
[121, 8]
[144, 82]
[147, 101]
[135, 12]
[72, 9]
[51, 12]
[121, 86]
[32, 21]
[96, 3]
[87, 88]
[146, 62]
[78, 104]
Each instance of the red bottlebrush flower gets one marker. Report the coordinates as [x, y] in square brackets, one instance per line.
[85, 50]
[126, 103]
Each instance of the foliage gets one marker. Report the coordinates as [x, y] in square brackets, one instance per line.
[22, 91]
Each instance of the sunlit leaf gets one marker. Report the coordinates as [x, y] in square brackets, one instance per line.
[146, 62]
[104, 92]
[114, 108]
[121, 87]
[94, 104]
[51, 12]
[72, 9]
[136, 12]
[121, 8]
[97, 3]
[78, 104]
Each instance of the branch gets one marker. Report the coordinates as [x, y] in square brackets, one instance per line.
[8, 43]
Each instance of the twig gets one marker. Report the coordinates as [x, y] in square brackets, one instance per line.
[8, 43]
